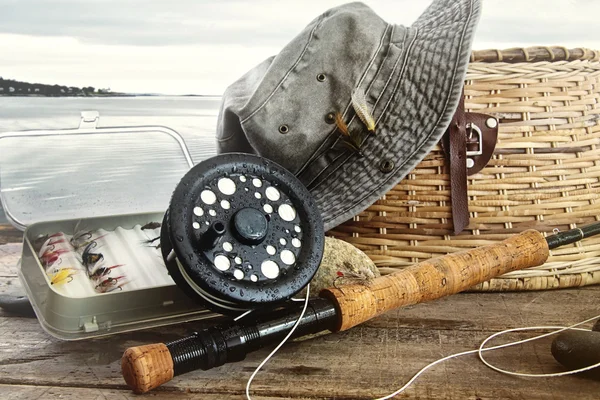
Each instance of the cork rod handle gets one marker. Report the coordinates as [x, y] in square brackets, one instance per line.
[436, 278]
[147, 367]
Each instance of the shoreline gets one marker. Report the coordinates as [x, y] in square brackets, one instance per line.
[111, 95]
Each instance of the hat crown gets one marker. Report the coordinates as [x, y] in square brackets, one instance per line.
[313, 76]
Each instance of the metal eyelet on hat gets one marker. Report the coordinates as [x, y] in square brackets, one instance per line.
[321, 77]
[386, 166]
[284, 129]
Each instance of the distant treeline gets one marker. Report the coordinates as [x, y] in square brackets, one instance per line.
[10, 87]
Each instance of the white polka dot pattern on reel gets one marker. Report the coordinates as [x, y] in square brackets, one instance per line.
[238, 274]
[222, 263]
[287, 257]
[208, 197]
[272, 193]
[287, 212]
[270, 269]
[226, 186]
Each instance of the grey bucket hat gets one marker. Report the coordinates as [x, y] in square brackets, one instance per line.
[352, 104]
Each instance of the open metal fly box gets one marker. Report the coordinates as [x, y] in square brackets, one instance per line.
[90, 201]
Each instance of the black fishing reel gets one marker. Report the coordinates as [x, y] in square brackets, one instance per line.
[241, 233]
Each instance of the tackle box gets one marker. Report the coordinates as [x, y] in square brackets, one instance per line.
[90, 201]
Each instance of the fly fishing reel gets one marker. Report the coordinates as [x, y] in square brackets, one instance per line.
[241, 232]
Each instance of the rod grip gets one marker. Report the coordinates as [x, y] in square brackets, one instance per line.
[435, 278]
[147, 367]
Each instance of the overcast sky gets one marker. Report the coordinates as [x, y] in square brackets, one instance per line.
[199, 46]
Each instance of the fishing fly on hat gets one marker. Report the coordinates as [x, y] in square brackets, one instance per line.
[353, 103]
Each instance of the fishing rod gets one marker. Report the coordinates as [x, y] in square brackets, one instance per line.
[338, 309]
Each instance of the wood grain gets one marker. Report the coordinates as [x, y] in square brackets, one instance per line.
[370, 360]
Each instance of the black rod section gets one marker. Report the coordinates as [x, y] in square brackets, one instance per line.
[572, 235]
[216, 346]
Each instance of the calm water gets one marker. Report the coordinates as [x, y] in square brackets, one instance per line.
[194, 118]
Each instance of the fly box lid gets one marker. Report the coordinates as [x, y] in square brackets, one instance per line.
[48, 175]
[90, 201]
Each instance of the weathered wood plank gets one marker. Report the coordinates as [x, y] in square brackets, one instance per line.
[18, 392]
[9, 234]
[370, 360]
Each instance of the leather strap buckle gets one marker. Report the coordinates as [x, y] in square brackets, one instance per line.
[468, 145]
[470, 140]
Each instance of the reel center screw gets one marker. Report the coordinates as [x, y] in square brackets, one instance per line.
[250, 226]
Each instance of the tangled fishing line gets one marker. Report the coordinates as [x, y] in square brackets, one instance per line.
[479, 351]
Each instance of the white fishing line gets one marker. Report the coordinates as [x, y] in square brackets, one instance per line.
[280, 344]
[483, 349]
[242, 315]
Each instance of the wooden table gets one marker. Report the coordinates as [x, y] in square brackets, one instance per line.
[368, 361]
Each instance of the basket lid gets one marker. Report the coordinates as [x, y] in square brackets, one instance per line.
[49, 175]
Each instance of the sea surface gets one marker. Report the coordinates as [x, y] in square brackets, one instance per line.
[57, 177]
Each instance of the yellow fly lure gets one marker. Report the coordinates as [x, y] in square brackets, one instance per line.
[63, 275]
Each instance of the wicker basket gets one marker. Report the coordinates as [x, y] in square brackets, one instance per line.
[545, 172]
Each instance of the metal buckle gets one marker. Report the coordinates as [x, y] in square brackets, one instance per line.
[474, 128]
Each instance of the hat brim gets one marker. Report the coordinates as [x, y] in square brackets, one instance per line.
[434, 64]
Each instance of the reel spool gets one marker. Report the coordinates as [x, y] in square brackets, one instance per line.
[241, 232]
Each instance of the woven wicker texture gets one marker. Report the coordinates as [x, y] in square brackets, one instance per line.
[545, 173]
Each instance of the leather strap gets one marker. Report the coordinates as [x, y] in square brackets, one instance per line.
[469, 144]
[456, 140]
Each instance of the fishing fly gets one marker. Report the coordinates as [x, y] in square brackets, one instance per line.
[359, 103]
[348, 139]
[89, 259]
[79, 238]
[63, 275]
[52, 256]
[39, 242]
[151, 225]
[150, 241]
[103, 271]
[83, 239]
[362, 275]
[110, 283]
